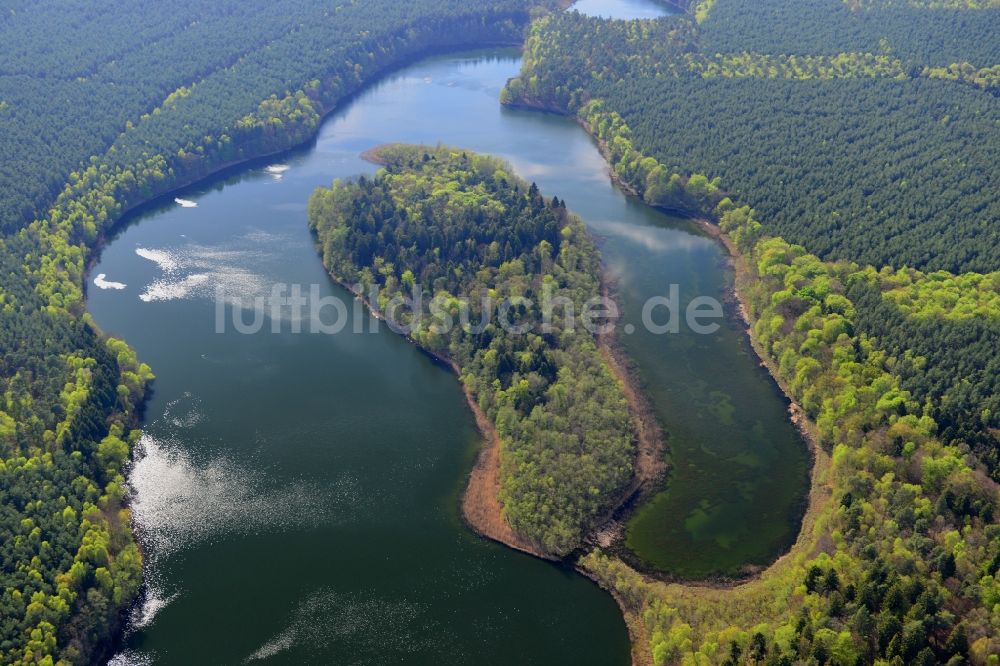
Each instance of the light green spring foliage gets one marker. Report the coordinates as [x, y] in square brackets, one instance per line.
[68, 560]
[781, 118]
[568, 63]
[942, 295]
[566, 54]
[702, 10]
[899, 561]
[987, 78]
[653, 182]
[756, 65]
[924, 4]
[460, 228]
[899, 556]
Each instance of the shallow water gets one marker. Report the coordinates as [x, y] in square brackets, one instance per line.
[297, 494]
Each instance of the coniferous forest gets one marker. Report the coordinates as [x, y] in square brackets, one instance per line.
[103, 107]
[847, 151]
[844, 150]
[477, 241]
[178, 82]
[782, 128]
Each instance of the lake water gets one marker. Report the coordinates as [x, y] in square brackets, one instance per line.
[297, 495]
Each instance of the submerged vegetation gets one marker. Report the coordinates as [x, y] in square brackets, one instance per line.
[891, 356]
[819, 114]
[898, 558]
[920, 220]
[472, 240]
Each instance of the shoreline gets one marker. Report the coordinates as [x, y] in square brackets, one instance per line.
[195, 176]
[650, 466]
[819, 459]
[796, 415]
[294, 144]
[374, 154]
[819, 491]
[638, 635]
[481, 509]
[650, 463]
[741, 276]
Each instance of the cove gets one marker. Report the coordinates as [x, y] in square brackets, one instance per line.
[297, 495]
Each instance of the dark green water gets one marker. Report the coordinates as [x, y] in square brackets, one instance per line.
[298, 494]
[738, 468]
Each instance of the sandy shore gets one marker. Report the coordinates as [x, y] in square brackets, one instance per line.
[651, 447]
[650, 463]
[483, 511]
[819, 489]
[481, 507]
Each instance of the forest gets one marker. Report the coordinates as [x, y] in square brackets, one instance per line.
[103, 108]
[837, 146]
[64, 101]
[67, 415]
[848, 342]
[778, 130]
[920, 35]
[474, 240]
[893, 359]
[776, 133]
[907, 202]
[899, 557]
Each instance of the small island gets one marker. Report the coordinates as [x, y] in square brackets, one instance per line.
[500, 283]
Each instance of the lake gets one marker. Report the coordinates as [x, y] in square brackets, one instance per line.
[297, 495]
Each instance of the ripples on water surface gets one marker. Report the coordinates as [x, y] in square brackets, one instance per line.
[297, 494]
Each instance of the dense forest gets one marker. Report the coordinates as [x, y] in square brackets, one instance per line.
[101, 108]
[63, 101]
[865, 134]
[920, 35]
[69, 563]
[945, 351]
[889, 110]
[474, 240]
[896, 371]
[899, 557]
[907, 201]
[683, 129]
[780, 130]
